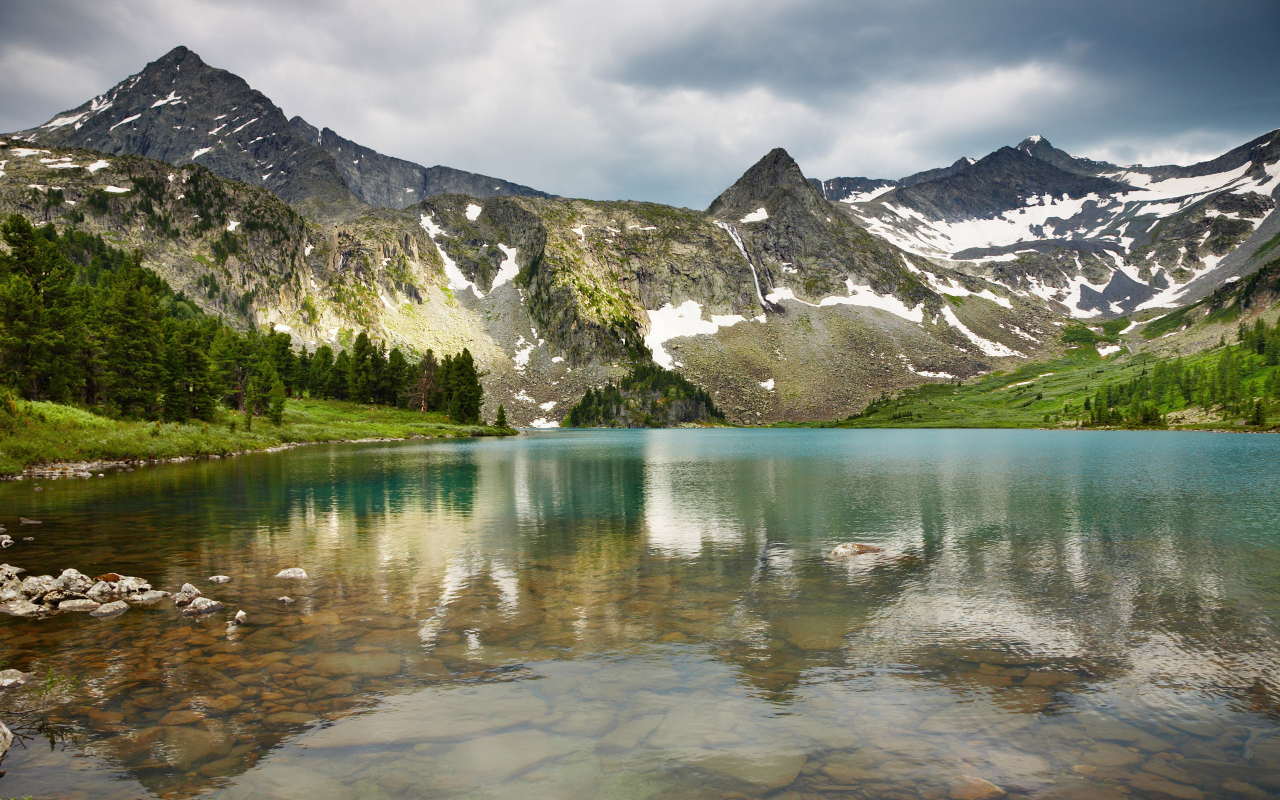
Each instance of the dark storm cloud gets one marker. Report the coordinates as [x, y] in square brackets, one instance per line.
[671, 100]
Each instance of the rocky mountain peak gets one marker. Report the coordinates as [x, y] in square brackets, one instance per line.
[181, 110]
[1002, 180]
[767, 182]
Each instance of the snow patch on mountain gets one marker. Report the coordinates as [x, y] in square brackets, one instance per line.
[508, 269]
[457, 281]
[988, 347]
[672, 322]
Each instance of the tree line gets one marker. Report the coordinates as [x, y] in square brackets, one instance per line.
[85, 323]
[1238, 384]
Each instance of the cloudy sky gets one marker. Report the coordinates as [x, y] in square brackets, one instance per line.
[671, 100]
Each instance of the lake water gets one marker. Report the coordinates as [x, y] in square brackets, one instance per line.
[636, 614]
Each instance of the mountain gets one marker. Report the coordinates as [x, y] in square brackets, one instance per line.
[1091, 238]
[779, 301]
[181, 110]
[395, 183]
[776, 301]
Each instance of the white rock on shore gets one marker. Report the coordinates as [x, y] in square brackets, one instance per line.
[112, 609]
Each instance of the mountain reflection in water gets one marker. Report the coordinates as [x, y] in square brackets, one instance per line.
[651, 613]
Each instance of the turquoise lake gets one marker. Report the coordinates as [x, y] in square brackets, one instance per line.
[653, 614]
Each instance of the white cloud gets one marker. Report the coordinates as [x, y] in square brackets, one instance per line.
[548, 92]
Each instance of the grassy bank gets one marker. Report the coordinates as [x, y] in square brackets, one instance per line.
[33, 434]
[1053, 394]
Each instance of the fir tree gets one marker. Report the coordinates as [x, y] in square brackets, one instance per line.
[336, 384]
[132, 343]
[42, 316]
[275, 408]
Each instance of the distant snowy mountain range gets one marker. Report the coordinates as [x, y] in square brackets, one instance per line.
[1098, 238]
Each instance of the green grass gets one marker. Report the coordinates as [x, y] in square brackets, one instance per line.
[1023, 398]
[45, 433]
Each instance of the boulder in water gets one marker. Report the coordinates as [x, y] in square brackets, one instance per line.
[112, 609]
[186, 595]
[14, 677]
[219, 579]
[240, 618]
[79, 604]
[35, 587]
[102, 591]
[201, 605]
[26, 608]
[127, 584]
[6, 739]
[74, 582]
[146, 598]
[849, 549]
[286, 599]
[292, 572]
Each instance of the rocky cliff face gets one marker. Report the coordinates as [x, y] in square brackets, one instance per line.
[181, 110]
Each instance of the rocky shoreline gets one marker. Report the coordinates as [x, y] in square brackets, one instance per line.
[92, 469]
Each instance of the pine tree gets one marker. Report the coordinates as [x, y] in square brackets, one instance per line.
[320, 367]
[42, 316]
[361, 370]
[275, 408]
[336, 384]
[425, 388]
[250, 401]
[189, 389]
[501, 420]
[132, 343]
[395, 378]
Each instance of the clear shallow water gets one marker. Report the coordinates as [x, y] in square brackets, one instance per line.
[649, 614]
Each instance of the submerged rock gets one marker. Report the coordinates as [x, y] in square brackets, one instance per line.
[968, 787]
[25, 521]
[370, 665]
[202, 605]
[240, 618]
[112, 609]
[852, 549]
[219, 579]
[292, 572]
[186, 595]
[286, 599]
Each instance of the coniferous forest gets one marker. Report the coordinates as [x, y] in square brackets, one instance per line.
[85, 323]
